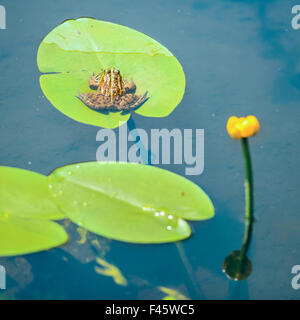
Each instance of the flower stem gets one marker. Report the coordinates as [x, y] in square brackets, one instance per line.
[249, 215]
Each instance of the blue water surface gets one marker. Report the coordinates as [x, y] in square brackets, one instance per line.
[240, 57]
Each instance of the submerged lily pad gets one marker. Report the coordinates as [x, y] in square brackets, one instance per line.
[20, 236]
[172, 294]
[129, 202]
[25, 194]
[110, 270]
[71, 52]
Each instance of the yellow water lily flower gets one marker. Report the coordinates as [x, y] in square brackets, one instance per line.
[243, 127]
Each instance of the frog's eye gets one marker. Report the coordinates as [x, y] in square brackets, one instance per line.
[116, 71]
[107, 71]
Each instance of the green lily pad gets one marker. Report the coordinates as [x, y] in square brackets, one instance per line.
[75, 49]
[20, 236]
[25, 194]
[129, 202]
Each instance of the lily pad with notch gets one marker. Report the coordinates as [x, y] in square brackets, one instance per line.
[129, 202]
[76, 49]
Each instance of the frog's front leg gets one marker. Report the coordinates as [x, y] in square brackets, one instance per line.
[94, 81]
[129, 86]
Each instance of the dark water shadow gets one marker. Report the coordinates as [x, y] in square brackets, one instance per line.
[146, 155]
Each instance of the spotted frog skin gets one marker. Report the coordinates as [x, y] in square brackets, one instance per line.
[112, 93]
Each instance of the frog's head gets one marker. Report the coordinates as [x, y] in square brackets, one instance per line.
[116, 72]
[112, 72]
[116, 79]
[106, 72]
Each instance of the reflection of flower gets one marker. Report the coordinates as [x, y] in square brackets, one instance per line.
[242, 127]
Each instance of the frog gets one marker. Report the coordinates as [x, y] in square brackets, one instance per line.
[111, 92]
